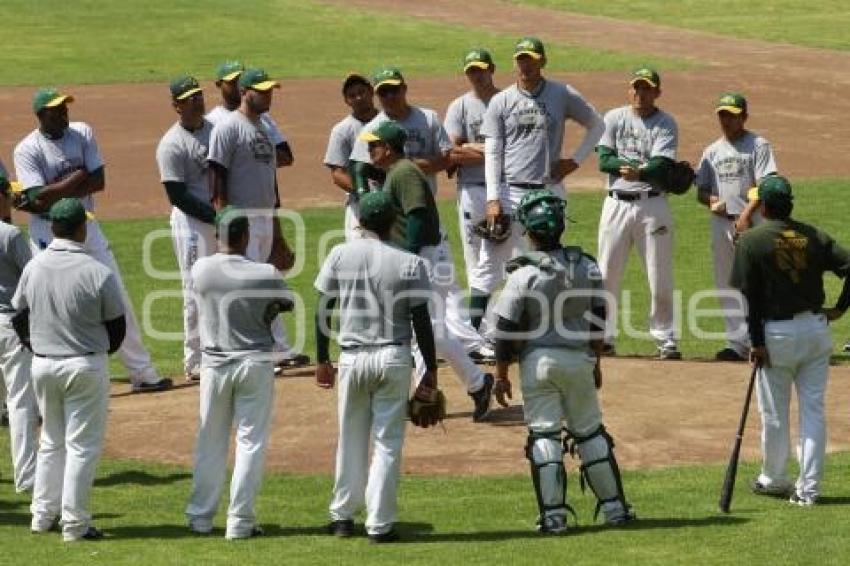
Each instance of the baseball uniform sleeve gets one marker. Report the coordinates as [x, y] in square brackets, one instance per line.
[339, 147]
[222, 140]
[27, 169]
[454, 120]
[705, 179]
[275, 135]
[493, 130]
[438, 132]
[609, 134]
[511, 300]
[112, 305]
[19, 299]
[763, 160]
[492, 125]
[837, 258]
[91, 154]
[20, 251]
[171, 166]
[583, 112]
[666, 141]
[326, 281]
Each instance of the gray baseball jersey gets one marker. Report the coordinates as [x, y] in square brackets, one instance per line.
[341, 141]
[464, 117]
[426, 138]
[376, 285]
[532, 126]
[14, 255]
[182, 157]
[70, 295]
[730, 169]
[276, 136]
[638, 139]
[553, 302]
[235, 296]
[245, 150]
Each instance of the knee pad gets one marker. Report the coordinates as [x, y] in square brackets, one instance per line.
[546, 458]
[600, 471]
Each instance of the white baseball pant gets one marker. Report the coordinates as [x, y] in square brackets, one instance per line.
[374, 384]
[730, 299]
[471, 209]
[132, 353]
[454, 335]
[73, 396]
[799, 351]
[352, 216]
[15, 365]
[647, 224]
[238, 393]
[192, 240]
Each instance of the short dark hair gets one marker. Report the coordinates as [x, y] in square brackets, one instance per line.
[65, 229]
[779, 210]
[352, 80]
[236, 225]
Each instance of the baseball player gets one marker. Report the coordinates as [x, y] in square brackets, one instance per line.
[638, 147]
[15, 358]
[242, 159]
[428, 147]
[523, 130]
[358, 94]
[553, 304]
[738, 160]
[464, 117]
[61, 159]
[182, 160]
[779, 267]
[417, 230]
[380, 290]
[238, 300]
[71, 314]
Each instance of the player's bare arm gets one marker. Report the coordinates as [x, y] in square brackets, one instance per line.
[218, 184]
[341, 178]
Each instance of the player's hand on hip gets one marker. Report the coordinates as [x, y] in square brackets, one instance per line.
[502, 391]
[563, 168]
[325, 375]
[760, 357]
[833, 313]
[494, 210]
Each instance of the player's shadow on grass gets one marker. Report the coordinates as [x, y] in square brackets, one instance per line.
[15, 519]
[412, 535]
[498, 416]
[140, 478]
[835, 500]
[182, 531]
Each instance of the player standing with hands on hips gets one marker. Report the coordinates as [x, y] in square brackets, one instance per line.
[637, 150]
[779, 267]
[381, 291]
[524, 129]
[551, 315]
[729, 167]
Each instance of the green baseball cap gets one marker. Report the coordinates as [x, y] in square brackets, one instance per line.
[477, 58]
[388, 132]
[49, 98]
[529, 46]
[183, 87]
[229, 70]
[775, 189]
[376, 209]
[647, 75]
[257, 79]
[69, 211]
[732, 102]
[233, 219]
[388, 76]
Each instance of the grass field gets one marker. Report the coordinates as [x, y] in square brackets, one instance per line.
[444, 521]
[153, 40]
[817, 23]
[820, 202]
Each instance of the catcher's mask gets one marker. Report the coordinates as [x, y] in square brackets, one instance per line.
[541, 213]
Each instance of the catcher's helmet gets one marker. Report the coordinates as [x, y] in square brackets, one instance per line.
[541, 213]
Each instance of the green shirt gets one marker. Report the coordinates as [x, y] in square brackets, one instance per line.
[779, 268]
[409, 188]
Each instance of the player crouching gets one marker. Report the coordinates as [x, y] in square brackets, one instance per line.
[545, 319]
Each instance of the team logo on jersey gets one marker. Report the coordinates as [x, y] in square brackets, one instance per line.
[415, 144]
[262, 148]
[789, 254]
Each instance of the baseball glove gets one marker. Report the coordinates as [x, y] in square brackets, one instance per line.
[498, 231]
[27, 200]
[680, 177]
[427, 407]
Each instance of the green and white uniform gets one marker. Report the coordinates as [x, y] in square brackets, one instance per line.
[338, 154]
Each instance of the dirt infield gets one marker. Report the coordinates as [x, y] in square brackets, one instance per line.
[797, 100]
[660, 413]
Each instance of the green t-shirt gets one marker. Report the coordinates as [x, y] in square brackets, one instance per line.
[410, 190]
[779, 267]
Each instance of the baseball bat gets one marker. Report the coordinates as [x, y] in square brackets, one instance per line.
[732, 468]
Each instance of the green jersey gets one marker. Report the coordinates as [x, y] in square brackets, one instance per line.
[410, 190]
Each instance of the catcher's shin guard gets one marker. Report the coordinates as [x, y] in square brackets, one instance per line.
[600, 471]
[549, 477]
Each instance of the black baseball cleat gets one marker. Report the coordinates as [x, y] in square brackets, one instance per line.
[163, 384]
[342, 528]
[482, 399]
[729, 355]
[381, 538]
[609, 350]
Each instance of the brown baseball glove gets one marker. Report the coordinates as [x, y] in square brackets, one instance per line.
[427, 407]
[680, 177]
[498, 231]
